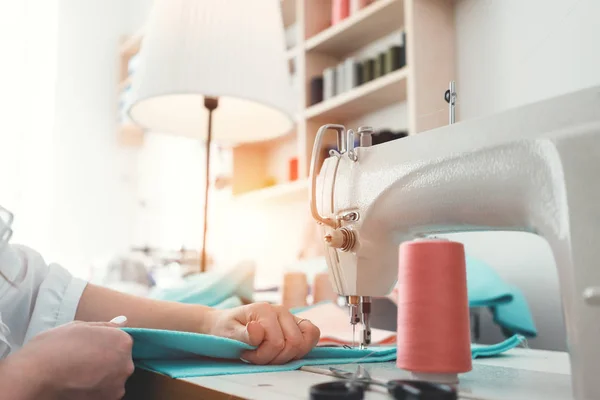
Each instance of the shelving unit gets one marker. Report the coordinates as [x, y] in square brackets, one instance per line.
[364, 99]
[128, 134]
[358, 30]
[261, 170]
[428, 27]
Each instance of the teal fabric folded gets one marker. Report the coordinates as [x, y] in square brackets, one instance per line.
[212, 288]
[183, 354]
[508, 305]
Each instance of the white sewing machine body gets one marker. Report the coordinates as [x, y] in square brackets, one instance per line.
[535, 169]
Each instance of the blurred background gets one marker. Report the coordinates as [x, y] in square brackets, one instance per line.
[123, 206]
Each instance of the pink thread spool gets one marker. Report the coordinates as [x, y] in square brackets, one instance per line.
[340, 11]
[434, 341]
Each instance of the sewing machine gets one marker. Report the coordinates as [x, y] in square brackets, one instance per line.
[533, 168]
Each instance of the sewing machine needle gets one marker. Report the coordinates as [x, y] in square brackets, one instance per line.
[353, 335]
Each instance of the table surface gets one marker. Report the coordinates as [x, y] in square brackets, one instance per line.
[518, 374]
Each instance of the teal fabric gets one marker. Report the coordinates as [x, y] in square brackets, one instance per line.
[507, 303]
[211, 288]
[183, 354]
[231, 302]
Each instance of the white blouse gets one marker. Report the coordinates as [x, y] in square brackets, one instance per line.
[43, 296]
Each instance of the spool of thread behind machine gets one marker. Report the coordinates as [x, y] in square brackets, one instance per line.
[433, 340]
[323, 289]
[295, 290]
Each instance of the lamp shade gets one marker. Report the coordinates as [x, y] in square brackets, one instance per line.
[230, 49]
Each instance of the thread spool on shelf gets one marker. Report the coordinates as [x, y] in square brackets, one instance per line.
[323, 289]
[340, 10]
[295, 290]
[433, 340]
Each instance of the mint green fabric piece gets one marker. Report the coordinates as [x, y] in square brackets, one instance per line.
[210, 288]
[184, 355]
[508, 305]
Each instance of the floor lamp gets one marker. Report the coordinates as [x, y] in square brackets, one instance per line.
[216, 64]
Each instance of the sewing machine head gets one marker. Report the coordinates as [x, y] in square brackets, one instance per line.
[533, 169]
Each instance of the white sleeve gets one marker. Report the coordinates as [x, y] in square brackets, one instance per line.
[44, 296]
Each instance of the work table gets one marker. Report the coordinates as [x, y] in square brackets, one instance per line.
[518, 374]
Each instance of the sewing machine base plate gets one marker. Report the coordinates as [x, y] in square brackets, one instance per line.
[521, 374]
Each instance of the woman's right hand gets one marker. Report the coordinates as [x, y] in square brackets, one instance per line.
[79, 360]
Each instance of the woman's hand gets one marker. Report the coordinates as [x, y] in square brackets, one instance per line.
[279, 336]
[79, 360]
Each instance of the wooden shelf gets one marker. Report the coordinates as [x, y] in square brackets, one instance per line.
[367, 25]
[129, 134]
[369, 97]
[282, 193]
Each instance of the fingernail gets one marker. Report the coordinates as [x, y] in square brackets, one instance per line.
[243, 360]
[121, 319]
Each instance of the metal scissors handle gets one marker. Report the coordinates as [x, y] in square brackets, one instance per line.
[354, 384]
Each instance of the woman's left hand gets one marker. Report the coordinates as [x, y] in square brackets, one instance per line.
[278, 335]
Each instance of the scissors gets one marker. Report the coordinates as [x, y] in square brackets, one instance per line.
[354, 384]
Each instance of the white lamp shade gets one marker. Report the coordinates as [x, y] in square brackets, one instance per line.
[230, 49]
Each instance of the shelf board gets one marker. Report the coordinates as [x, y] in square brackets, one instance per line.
[282, 193]
[361, 100]
[367, 25]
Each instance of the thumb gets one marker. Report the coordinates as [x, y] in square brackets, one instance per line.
[252, 333]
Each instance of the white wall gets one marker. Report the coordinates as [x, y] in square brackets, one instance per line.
[136, 13]
[27, 101]
[510, 53]
[94, 188]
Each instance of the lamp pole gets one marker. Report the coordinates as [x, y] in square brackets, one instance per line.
[210, 103]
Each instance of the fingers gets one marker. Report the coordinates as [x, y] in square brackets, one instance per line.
[311, 335]
[285, 337]
[294, 341]
[274, 340]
